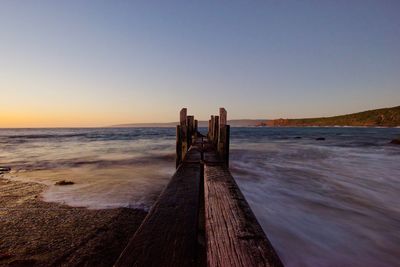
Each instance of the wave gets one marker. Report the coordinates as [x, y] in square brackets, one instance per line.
[101, 134]
[94, 163]
[38, 136]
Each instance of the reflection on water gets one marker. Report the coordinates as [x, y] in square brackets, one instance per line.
[322, 203]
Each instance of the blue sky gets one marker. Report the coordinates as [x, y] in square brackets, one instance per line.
[95, 63]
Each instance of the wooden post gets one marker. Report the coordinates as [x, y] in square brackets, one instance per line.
[178, 145]
[168, 236]
[209, 129]
[182, 116]
[216, 130]
[183, 133]
[196, 128]
[223, 145]
[212, 128]
[222, 117]
[223, 137]
[190, 125]
[221, 126]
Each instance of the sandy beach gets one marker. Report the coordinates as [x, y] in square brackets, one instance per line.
[38, 233]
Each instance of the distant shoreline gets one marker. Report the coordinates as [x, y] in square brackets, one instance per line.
[385, 117]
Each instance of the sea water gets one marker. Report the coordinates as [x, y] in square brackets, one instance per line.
[332, 202]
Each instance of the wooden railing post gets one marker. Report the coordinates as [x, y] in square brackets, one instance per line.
[223, 137]
[181, 137]
[216, 130]
[190, 125]
[209, 129]
[211, 137]
[185, 132]
[195, 130]
[182, 116]
[222, 117]
[178, 145]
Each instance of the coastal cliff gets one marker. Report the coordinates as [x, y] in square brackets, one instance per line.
[389, 117]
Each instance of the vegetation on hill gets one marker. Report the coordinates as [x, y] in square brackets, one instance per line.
[378, 117]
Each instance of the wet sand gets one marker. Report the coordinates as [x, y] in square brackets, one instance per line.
[38, 233]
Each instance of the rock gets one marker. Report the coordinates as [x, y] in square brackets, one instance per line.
[4, 169]
[320, 138]
[395, 141]
[63, 182]
[298, 137]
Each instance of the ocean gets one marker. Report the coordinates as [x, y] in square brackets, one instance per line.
[331, 202]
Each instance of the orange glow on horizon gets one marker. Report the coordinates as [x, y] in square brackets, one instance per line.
[32, 119]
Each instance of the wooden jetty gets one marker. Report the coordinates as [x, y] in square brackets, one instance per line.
[201, 218]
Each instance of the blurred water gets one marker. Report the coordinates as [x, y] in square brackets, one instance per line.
[110, 167]
[323, 203]
[334, 202]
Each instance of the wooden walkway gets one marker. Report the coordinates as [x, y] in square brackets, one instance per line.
[201, 218]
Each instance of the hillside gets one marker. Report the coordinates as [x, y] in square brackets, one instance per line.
[378, 117]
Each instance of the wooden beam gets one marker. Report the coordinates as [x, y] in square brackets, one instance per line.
[234, 237]
[168, 234]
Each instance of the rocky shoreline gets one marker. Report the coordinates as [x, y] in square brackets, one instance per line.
[38, 233]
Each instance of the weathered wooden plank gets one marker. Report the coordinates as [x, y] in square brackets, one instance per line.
[168, 235]
[234, 237]
[193, 155]
[209, 153]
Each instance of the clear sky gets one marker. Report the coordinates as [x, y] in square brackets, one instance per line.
[98, 63]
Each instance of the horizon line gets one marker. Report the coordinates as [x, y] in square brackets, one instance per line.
[173, 122]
